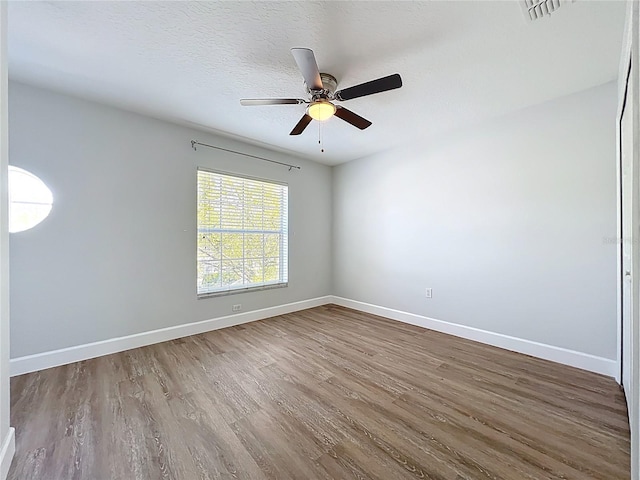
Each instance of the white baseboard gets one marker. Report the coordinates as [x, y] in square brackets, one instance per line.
[55, 358]
[41, 361]
[565, 356]
[6, 452]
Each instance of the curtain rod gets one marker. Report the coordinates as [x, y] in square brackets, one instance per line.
[195, 142]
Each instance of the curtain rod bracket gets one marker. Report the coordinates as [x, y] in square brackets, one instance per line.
[195, 142]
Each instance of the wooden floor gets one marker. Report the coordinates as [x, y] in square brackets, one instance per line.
[326, 393]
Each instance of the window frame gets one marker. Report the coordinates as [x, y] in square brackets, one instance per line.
[283, 261]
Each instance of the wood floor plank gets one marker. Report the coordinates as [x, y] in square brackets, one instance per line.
[325, 393]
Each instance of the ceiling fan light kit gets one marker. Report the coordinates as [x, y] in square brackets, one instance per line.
[322, 89]
[321, 110]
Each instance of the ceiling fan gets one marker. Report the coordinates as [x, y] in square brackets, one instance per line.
[322, 89]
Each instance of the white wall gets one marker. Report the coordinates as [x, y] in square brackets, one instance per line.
[7, 438]
[506, 221]
[116, 256]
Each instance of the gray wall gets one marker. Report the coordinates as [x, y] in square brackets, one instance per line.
[506, 221]
[116, 256]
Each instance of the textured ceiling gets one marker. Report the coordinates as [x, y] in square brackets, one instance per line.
[192, 62]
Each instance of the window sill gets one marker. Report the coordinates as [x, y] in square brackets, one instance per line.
[235, 291]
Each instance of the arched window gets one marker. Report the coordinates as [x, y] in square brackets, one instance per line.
[30, 200]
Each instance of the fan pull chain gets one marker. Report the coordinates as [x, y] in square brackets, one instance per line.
[320, 137]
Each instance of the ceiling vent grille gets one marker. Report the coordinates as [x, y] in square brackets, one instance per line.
[536, 9]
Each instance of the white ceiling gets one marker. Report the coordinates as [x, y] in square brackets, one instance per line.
[192, 62]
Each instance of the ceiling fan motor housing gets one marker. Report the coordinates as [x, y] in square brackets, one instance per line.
[329, 83]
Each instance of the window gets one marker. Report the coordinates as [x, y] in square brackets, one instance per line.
[242, 233]
[30, 200]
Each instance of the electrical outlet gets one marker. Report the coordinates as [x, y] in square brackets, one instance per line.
[429, 293]
[237, 307]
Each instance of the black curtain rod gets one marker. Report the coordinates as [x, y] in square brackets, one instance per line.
[195, 142]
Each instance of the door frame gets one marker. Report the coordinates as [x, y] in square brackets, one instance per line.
[619, 243]
[630, 68]
[623, 76]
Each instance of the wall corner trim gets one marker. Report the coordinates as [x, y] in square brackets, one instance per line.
[565, 356]
[6, 452]
[63, 356]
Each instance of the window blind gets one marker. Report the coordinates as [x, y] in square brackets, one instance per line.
[242, 233]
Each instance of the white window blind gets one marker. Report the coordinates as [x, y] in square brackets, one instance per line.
[242, 233]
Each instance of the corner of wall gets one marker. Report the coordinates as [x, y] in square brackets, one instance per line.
[7, 450]
[332, 245]
[6, 433]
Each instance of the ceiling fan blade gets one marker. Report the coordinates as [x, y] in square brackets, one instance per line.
[251, 102]
[302, 124]
[306, 61]
[352, 118]
[369, 88]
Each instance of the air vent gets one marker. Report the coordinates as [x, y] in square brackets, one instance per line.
[536, 9]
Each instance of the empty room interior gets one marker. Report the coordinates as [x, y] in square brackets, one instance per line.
[319, 240]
